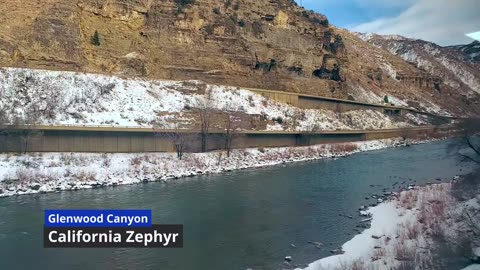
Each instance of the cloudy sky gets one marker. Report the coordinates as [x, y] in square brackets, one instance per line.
[442, 21]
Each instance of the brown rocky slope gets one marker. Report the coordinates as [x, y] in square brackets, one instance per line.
[459, 76]
[251, 43]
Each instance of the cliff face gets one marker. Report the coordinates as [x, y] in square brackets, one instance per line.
[242, 42]
[455, 78]
[471, 51]
[250, 43]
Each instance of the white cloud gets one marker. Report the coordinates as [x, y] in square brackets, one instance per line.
[385, 3]
[475, 35]
[442, 21]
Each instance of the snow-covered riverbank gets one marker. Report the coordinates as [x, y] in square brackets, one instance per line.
[50, 172]
[403, 230]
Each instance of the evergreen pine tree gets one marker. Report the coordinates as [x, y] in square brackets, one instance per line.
[96, 39]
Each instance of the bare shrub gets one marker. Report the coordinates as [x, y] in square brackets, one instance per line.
[379, 252]
[406, 265]
[230, 128]
[424, 260]
[349, 265]
[180, 140]
[411, 231]
[67, 159]
[471, 130]
[350, 147]
[136, 161]
[24, 175]
[403, 252]
[358, 265]
[106, 161]
[107, 89]
[85, 176]
[196, 161]
[206, 111]
[219, 158]
[342, 148]
[152, 159]
[408, 199]
[50, 176]
[438, 208]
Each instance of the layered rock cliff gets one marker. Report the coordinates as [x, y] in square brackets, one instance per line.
[471, 51]
[249, 43]
[454, 77]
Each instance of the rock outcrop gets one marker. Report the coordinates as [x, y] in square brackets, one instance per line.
[471, 51]
[453, 80]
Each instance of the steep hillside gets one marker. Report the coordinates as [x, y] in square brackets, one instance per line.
[460, 78]
[248, 43]
[471, 51]
[68, 98]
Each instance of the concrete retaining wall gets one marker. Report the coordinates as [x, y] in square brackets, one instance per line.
[148, 141]
[324, 103]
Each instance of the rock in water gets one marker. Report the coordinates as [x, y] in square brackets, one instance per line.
[472, 267]
[476, 255]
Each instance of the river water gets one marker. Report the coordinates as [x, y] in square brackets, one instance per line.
[238, 220]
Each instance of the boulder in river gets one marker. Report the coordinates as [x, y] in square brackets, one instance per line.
[476, 255]
[472, 267]
[316, 244]
[35, 186]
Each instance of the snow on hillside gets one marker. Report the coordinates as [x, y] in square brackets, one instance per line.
[431, 57]
[452, 64]
[409, 54]
[464, 75]
[471, 51]
[68, 98]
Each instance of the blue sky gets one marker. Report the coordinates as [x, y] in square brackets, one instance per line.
[347, 13]
[442, 21]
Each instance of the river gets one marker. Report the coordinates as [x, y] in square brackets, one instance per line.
[237, 220]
